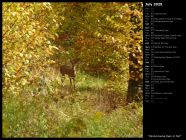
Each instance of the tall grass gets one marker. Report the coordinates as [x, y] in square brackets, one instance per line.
[74, 115]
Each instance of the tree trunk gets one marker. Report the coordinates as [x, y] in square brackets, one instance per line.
[132, 90]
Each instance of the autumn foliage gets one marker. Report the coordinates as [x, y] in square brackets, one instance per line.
[107, 41]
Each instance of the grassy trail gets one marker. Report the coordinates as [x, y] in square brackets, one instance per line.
[85, 112]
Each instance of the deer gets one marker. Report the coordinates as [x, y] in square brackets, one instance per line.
[70, 71]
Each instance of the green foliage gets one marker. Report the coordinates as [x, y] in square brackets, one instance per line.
[77, 115]
[29, 116]
[87, 82]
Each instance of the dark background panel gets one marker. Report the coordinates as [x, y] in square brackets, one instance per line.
[168, 118]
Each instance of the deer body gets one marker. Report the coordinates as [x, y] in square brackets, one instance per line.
[70, 71]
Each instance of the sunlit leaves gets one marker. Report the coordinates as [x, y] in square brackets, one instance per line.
[25, 34]
[102, 35]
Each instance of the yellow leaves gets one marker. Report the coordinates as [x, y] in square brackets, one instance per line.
[21, 55]
[136, 13]
[99, 115]
[113, 40]
[13, 13]
[140, 62]
[24, 82]
[125, 49]
[27, 61]
[141, 76]
[51, 62]
[108, 18]
[52, 47]
[29, 32]
[28, 56]
[54, 20]
[97, 34]
[47, 5]
[26, 73]
[25, 43]
[48, 42]
[49, 52]
[133, 54]
[14, 57]
[7, 75]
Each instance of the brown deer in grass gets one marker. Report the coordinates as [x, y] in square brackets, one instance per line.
[70, 71]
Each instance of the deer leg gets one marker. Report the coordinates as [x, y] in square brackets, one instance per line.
[74, 82]
[71, 82]
[62, 80]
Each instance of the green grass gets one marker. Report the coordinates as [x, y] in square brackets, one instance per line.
[81, 114]
[87, 82]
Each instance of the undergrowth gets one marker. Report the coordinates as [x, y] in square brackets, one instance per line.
[81, 113]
